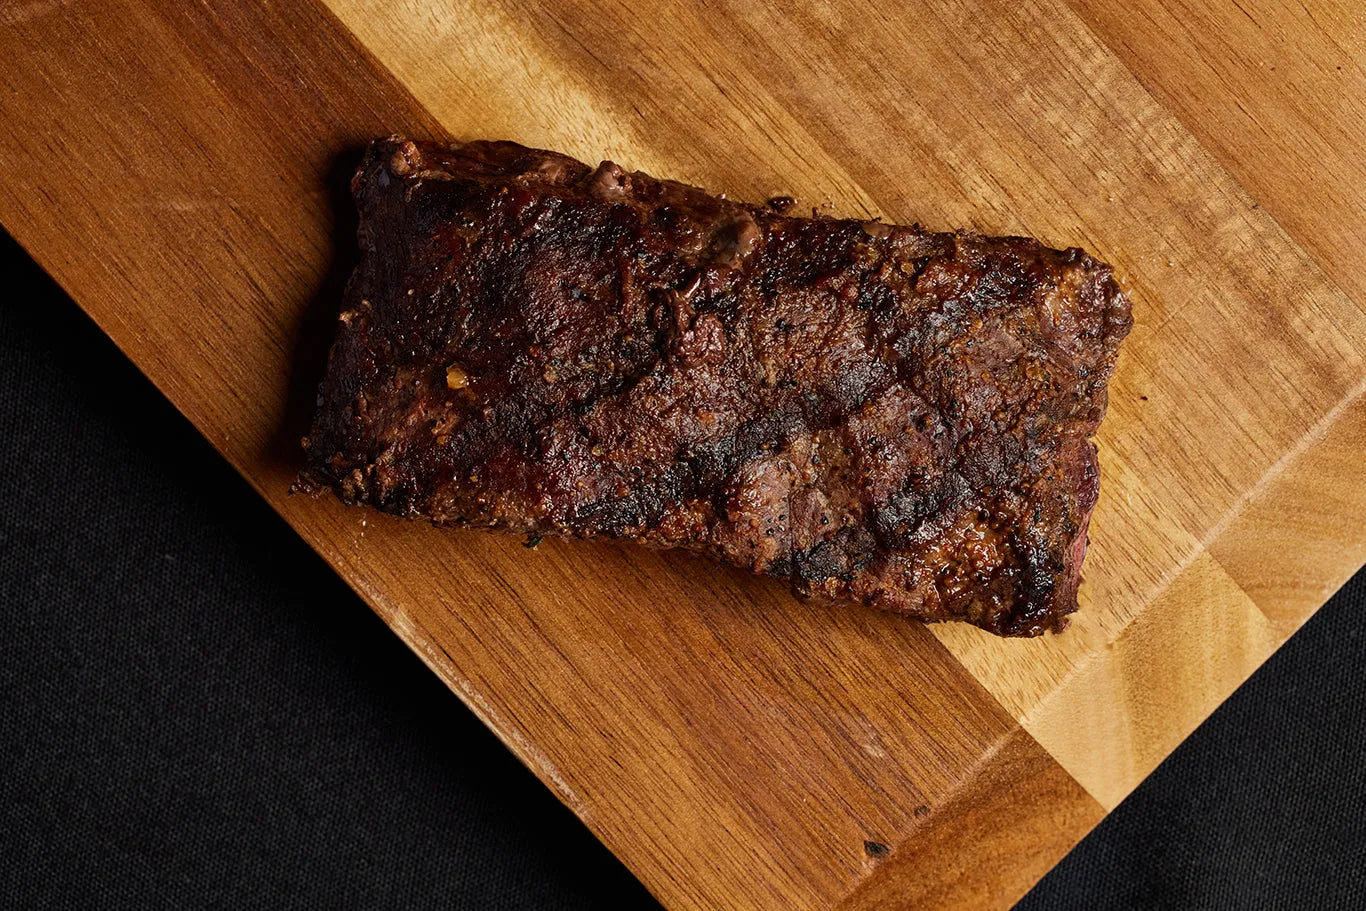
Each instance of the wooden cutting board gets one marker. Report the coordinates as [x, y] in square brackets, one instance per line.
[180, 168]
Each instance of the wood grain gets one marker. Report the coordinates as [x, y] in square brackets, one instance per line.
[980, 852]
[1299, 537]
[1276, 90]
[1120, 175]
[181, 170]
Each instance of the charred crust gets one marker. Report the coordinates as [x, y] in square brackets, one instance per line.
[874, 413]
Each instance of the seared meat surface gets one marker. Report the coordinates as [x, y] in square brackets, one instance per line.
[873, 413]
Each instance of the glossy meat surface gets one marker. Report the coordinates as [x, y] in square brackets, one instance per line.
[873, 413]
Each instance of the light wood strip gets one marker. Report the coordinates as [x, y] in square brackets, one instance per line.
[1276, 89]
[1121, 712]
[1298, 540]
[602, 89]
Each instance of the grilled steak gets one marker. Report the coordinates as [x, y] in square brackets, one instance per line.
[873, 413]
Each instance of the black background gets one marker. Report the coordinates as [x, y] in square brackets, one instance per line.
[194, 711]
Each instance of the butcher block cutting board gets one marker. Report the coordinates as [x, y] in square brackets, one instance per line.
[181, 169]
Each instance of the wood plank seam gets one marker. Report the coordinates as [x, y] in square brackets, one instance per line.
[1112, 720]
[963, 784]
[1081, 669]
[920, 874]
[1309, 251]
[1305, 444]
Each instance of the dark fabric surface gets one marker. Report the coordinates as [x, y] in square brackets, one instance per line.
[195, 712]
